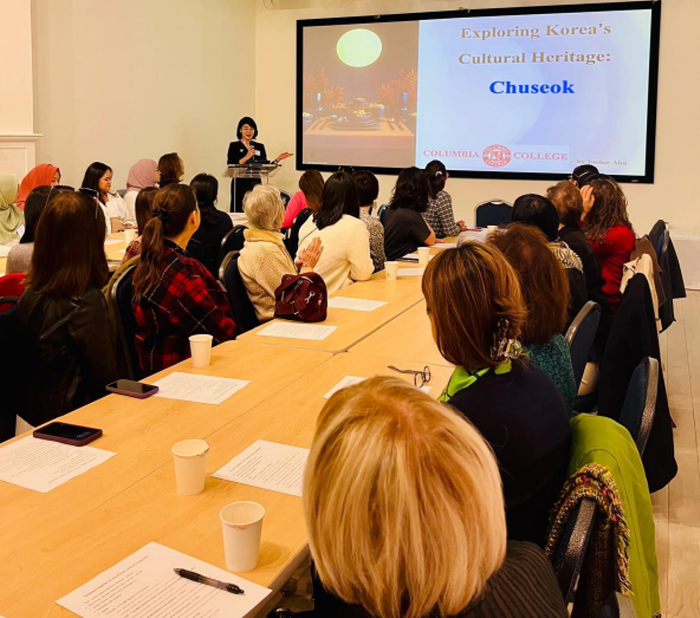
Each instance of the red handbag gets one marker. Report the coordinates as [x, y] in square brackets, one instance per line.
[302, 297]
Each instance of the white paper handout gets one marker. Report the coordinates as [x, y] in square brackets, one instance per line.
[352, 380]
[409, 257]
[42, 465]
[355, 304]
[113, 241]
[269, 465]
[4, 250]
[145, 584]
[445, 245]
[411, 272]
[198, 388]
[290, 330]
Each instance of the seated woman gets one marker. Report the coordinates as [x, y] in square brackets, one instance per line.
[206, 242]
[143, 174]
[607, 227]
[171, 168]
[440, 216]
[39, 176]
[98, 182]
[545, 291]
[368, 190]
[63, 313]
[404, 512]
[264, 259]
[538, 211]
[20, 256]
[308, 196]
[10, 215]
[345, 239]
[477, 313]
[174, 295]
[405, 228]
[144, 212]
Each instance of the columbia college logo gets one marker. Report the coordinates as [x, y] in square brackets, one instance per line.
[496, 156]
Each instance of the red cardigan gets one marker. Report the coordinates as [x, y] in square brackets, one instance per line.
[613, 252]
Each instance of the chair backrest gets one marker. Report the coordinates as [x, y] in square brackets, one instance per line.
[292, 240]
[494, 212]
[233, 241]
[569, 555]
[12, 374]
[285, 197]
[662, 245]
[640, 402]
[381, 213]
[243, 310]
[618, 606]
[580, 337]
[122, 293]
[11, 285]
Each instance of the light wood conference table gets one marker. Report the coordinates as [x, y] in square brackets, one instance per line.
[353, 326]
[61, 557]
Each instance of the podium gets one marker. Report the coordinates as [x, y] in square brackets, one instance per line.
[251, 172]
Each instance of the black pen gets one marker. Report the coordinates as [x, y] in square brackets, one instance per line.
[203, 579]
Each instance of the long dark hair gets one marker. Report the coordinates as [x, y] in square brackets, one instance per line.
[171, 210]
[33, 207]
[69, 255]
[144, 207]
[437, 176]
[339, 198]
[206, 190]
[91, 180]
[171, 169]
[411, 190]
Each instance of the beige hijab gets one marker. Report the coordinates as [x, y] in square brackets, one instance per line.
[10, 216]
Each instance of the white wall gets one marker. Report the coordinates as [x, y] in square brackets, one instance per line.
[672, 197]
[120, 80]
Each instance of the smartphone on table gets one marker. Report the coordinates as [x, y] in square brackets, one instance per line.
[130, 388]
[75, 435]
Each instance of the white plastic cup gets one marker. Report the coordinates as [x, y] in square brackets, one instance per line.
[200, 346]
[241, 524]
[491, 228]
[190, 458]
[392, 270]
[130, 235]
[423, 256]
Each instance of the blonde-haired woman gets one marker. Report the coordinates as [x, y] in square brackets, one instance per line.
[264, 259]
[405, 517]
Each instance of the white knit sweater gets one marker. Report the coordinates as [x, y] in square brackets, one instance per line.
[346, 257]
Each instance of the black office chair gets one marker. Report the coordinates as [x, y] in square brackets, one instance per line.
[285, 197]
[243, 310]
[11, 388]
[618, 606]
[494, 212]
[381, 213]
[580, 336]
[292, 239]
[122, 293]
[233, 241]
[640, 402]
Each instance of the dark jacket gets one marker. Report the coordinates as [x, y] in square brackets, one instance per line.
[633, 337]
[67, 352]
[205, 244]
[671, 275]
[522, 415]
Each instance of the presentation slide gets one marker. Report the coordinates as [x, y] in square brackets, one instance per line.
[520, 94]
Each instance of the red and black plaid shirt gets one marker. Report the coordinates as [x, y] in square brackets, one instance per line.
[187, 301]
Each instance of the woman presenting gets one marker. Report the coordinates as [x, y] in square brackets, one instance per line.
[246, 151]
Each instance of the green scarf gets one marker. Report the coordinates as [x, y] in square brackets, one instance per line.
[461, 378]
[10, 216]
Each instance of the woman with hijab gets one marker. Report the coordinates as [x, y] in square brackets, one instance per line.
[44, 174]
[10, 216]
[142, 175]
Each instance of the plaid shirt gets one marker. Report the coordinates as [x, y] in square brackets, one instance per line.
[187, 301]
[440, 217]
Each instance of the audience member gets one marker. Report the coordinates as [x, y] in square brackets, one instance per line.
[171, 168]
[67, 345]
[206, 242]
[308, 196]
[545, 291]
[368, 190]
[143, 174]
[175, 296]
[404, 227]
[144, 213]
[404, 512]
[10, 214]
[98, 180]
[477, 314]
[44, 174]
[583, 174]
[440, 215]
[264, 259]
[20, 256]
[540, 212]
[345, 239]
[608, 229]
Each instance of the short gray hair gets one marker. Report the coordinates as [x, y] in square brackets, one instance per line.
[264, 208]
